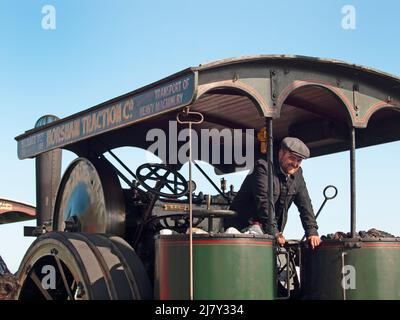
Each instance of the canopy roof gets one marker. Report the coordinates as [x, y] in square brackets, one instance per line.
[317, 100]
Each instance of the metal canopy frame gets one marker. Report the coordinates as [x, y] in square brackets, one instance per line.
[314, 99]
[331, 105]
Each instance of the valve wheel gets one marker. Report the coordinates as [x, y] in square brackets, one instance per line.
[162, 177]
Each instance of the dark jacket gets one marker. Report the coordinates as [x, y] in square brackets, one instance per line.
[251, 202]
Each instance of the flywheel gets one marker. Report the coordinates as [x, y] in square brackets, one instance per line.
[90, 199]
[82, 266]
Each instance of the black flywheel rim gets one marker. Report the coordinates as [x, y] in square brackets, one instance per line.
[79, 266]
[90, 199]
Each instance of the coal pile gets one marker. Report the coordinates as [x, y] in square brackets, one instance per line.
[8, 282]
[371, 234]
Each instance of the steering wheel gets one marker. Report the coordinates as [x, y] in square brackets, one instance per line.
[161, 176]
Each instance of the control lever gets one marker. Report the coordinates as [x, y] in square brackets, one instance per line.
[323, 203]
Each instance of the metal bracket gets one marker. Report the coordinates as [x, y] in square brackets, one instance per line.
[274, 84]
[29, 231]
[287, 269]
[356, 98]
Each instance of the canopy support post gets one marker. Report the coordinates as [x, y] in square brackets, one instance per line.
[270, 161]
[353, 182]
[187, 113]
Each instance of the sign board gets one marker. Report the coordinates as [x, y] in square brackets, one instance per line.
[123, 112]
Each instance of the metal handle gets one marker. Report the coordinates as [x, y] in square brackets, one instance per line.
[323, 203]
[334, 195]
[326, 198]
[188, 113]
[343, 286]
[287, 254]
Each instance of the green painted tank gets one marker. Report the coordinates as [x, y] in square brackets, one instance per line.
[224, 267]
[351, 269]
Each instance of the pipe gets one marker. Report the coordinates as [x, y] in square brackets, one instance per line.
[48, 176]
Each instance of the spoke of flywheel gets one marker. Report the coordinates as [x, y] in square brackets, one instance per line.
[64, 279]
[38, 284]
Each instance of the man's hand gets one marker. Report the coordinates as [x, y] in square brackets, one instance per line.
[314, 241]
[280, 239]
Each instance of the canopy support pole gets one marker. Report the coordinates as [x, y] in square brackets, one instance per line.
[187, 113]
[353, 182]
[270, 161]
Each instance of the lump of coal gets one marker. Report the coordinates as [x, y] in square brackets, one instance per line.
[374, 233]
[370, 234]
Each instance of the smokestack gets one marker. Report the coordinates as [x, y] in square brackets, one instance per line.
[48, 175]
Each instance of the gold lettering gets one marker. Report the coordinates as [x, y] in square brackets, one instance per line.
[127, 110]
[168, 90]
[63, 133]
[6, 206]
[146, 110]
[105, 116]
[114, 115]
[85, 124]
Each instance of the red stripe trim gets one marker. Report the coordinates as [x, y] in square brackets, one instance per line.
[214, 241]
[363, 245]
[396, 245]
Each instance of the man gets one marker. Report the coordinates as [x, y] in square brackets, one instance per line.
[251, 202]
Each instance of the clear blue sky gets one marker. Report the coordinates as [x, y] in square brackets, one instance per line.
[101, 49]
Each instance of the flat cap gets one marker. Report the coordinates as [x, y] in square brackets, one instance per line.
[296, 146]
